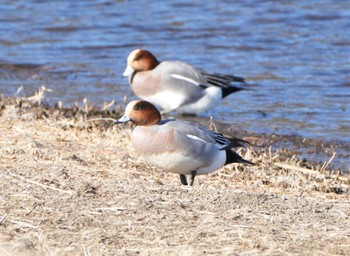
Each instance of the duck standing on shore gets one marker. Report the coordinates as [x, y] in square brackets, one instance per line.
[175, 85]
[178, 146]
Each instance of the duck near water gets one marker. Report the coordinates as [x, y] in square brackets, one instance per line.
[178, 146]
[175, 85]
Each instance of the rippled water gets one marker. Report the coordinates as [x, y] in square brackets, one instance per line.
[296, 52]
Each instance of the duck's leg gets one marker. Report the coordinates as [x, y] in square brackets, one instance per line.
[193, 175]
[183, 179]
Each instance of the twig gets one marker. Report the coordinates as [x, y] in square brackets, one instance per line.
[296, 168]
[2, 218]
[5, 252]
[311, 172]
[328, 162]
[18, 91]
[41, 185]
[24, 224]
[39, 95]
[108, 105]
[212, 125]
[113, 209]
[86, 105]
[101, 119]
[86, 251]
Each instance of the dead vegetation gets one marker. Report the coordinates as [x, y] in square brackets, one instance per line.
[75, 187]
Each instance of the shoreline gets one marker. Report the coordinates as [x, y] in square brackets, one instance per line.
[314, 150]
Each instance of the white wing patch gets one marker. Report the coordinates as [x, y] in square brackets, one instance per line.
[221, 142]
[195, 138]
[180, 77]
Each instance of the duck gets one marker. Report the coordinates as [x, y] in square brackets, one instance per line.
[175, 85]
[178, 146]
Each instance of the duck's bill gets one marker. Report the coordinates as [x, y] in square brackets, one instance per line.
[128, 71]
[123, 119]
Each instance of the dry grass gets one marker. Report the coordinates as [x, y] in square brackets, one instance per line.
[71, 187]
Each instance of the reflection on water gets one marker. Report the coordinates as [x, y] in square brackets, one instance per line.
[296, 52]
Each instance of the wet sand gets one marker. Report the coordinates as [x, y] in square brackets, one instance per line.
[71, 186]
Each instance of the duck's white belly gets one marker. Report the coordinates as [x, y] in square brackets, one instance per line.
[211, 98]
[167, 100]
[184, 164]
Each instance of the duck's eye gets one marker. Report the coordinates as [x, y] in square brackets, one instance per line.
[138, 57]
[143, 105]
[138, 107]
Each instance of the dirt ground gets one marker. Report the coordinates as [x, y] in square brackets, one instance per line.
[75, 187]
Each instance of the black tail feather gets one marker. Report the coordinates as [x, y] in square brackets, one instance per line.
[233, 157]
[224, 82]
[228, 90]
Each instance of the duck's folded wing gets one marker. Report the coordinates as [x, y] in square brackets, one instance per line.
[183, 74]
[200, 134]
[222, 81]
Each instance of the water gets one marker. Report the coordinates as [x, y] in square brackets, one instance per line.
[296, 52]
